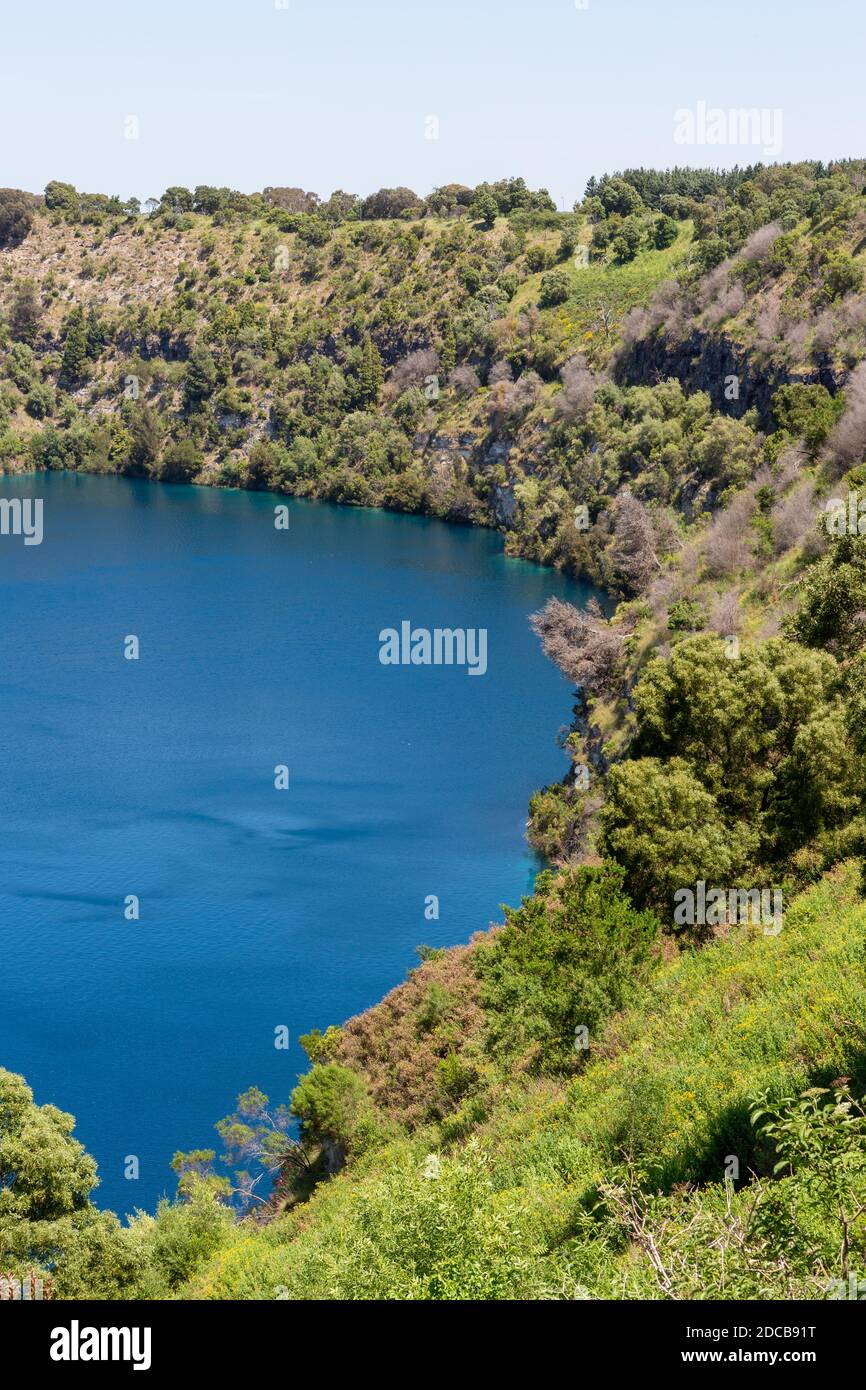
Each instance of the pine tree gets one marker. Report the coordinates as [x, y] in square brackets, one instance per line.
[372, 373]
[200, 379]
[94, 334]
[448, 350]
[74, 349]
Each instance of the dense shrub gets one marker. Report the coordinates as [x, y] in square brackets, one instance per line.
[566, 959]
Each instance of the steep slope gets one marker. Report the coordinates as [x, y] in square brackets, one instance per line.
[540, 1199]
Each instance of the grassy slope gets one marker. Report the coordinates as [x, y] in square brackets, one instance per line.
[670, 1085]
[616, 287]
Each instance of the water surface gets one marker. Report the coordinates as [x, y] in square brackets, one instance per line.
[259, 908]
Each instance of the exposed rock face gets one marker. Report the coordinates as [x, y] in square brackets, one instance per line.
[229, 421]
[503, 504]
[706, 362]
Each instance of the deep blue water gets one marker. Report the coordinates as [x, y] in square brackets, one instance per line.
[155, 777]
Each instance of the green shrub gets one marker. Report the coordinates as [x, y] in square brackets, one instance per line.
[565, 960]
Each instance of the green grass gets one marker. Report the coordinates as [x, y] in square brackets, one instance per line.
[511, 1211]
[615, 288]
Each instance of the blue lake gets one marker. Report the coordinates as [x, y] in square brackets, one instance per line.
[259, 907]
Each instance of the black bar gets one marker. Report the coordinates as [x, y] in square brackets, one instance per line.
[632, 1337]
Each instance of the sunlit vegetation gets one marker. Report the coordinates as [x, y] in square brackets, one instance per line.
[664, 391]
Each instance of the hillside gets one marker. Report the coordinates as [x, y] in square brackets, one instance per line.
[614, 1094]
[341, 360]
[613, 1185]
[454, 357]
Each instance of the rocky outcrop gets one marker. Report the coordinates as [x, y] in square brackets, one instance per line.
[708, 362]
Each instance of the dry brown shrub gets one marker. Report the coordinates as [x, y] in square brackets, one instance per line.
[729, 302]
[581, 643]
[794, 516]
[729, 543]
[578, 390]
[463, 380]
[847, 442]
[726, 617]
[758, 244]
[634, 546]
[398, 1044]
[500, 371]
[412, 370]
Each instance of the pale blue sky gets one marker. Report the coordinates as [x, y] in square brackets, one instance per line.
[328, 95]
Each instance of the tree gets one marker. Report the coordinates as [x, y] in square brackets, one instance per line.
[40, 401]
[208, 199]
[371, 373]
[633, 551]
[390, 202]
[568, 243]
[200, 378]
[484, 210]
[537, 258]
[569, 957]
[75, 353]
[335, 1110]
[449, 200]
[63, 198]
[180, 462]
[145, 431]
[25, 312]
[176, 199]
[94, 333]
[807, 410]
[448, 349]
[764, 734]
[842, 275]
[20, 366]
[618, 196]
[555, 288]
[832, 598]
[667, 831]
[44, 1172]
[665, 232]
[341, 206]
[291, 199]
[258, 1132]
[728, 452]
[628, 240]
[263, 465]
[711, 252]
[16, 215]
